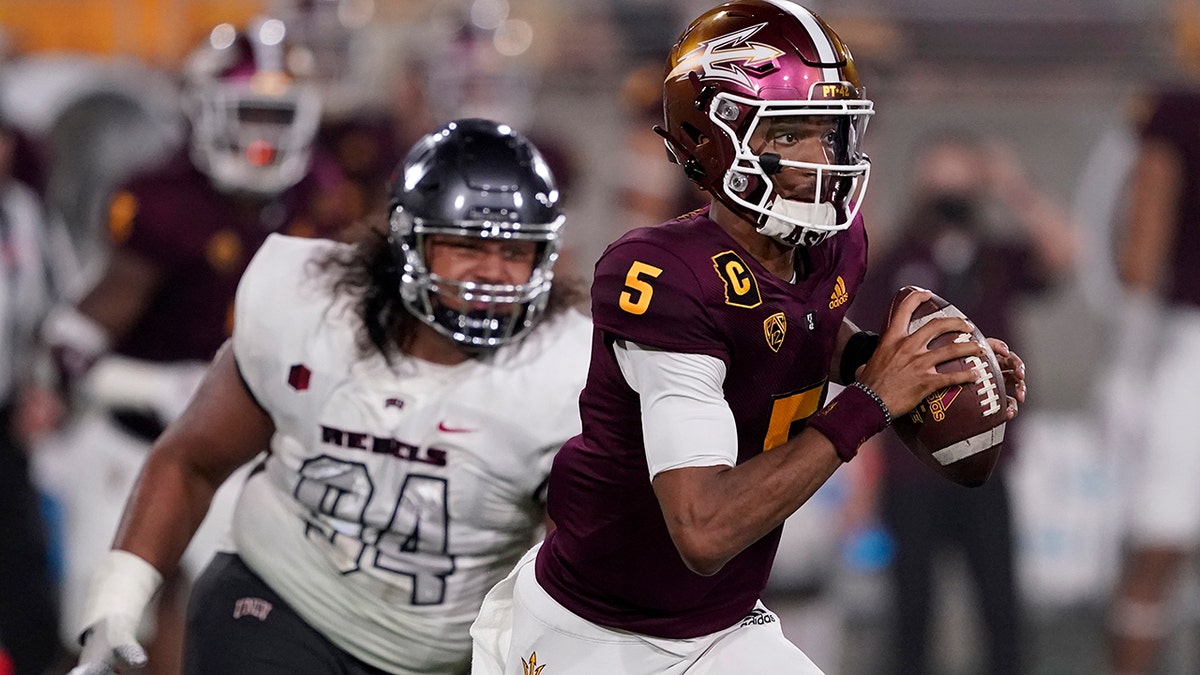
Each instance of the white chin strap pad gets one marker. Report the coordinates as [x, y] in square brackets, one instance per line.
[785, 213]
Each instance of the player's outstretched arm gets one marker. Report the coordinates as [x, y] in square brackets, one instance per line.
[221, 429]
[715, 512]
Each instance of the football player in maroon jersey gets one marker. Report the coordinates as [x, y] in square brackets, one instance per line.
[716, 337]
[133, 348]
[1158, 265]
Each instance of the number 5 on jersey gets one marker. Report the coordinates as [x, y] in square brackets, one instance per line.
[635, 299]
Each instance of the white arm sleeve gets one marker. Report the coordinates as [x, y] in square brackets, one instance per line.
[685, 419]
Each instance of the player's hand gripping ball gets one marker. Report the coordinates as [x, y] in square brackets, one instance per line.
[957, 431]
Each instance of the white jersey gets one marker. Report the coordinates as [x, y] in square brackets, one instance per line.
[394, 496]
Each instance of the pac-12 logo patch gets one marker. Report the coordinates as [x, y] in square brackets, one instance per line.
[741, 288]
[775, 328]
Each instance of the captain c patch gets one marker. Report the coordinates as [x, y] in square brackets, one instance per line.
[741, 288]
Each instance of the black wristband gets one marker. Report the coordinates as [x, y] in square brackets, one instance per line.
[850, 419]
[858, 350]
[887, 414]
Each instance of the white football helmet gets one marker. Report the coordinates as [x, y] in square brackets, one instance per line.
[253, 118]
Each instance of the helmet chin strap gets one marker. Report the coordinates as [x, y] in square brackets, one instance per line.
[788, 233]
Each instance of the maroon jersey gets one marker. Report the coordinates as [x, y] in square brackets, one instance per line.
[686, 286]
[29, 160]
[201, 239]
[1173, 121]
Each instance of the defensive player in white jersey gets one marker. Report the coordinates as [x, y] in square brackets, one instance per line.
[412, 391]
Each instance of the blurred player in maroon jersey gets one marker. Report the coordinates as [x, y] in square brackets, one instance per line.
[716, 337]
[132, 350]
[1159, 264]
[650, 190]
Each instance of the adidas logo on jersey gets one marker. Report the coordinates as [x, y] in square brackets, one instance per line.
[839, 296]
[759, 617]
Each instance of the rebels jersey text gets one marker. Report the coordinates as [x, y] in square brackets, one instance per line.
[686, 286]
[394, 496]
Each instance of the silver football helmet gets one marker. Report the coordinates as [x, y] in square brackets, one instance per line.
[475, 178]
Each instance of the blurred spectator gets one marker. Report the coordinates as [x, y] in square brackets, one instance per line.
[369, 117]
[1159, 267]
[980, 235]
[28, 597]
[649, 190]
[366, 146]
[133, 349]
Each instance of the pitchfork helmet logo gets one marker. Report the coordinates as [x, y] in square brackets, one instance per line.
[720, 57]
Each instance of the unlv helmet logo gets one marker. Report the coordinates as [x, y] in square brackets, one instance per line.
[719, 57]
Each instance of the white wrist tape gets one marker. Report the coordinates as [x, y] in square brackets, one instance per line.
[122, 585]
[121, 382]
[68, 327]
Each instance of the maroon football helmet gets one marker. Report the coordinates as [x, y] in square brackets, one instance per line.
[739, 72]
[254, 118]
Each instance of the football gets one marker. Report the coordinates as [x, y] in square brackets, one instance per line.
[957, 431]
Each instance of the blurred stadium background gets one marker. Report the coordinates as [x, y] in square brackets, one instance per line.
[1059, 80]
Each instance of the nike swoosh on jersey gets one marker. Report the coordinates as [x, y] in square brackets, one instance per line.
[452, 430]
